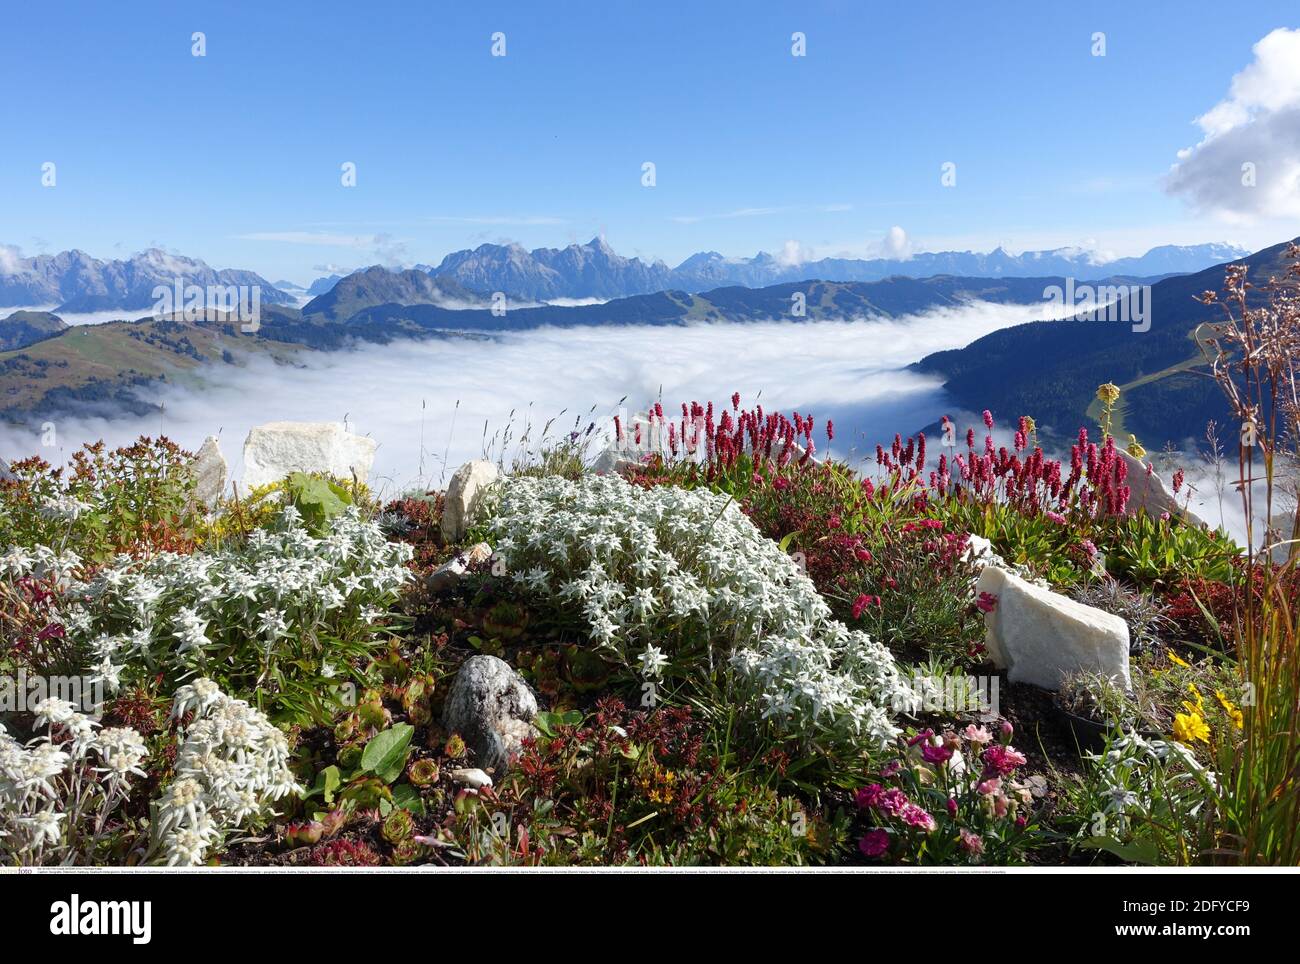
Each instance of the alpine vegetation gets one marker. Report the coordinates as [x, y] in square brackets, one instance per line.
[687, 571]
[701, 645]
[67, 769]
[244, 612]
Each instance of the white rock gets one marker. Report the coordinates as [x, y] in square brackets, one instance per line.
[278, 449]
[1149, 492]
[473, 778]
[464, 495]
[492, 708]
[1039, 636]
[453, 570]
[210, 472]
[612, 459]
[980, 551]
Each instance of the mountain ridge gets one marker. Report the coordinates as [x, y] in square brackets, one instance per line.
[595, 270]
[97, 367]
[76, 282]
[1167, 396]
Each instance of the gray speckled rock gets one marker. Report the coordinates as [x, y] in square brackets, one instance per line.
[210, 472]
[492, 708]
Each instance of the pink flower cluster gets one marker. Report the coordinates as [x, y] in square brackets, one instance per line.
[770, 437]
[990, 795]
[1025, 479]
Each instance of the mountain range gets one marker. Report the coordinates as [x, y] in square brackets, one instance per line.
[594, 270]
[75, 282]
[1047, 369]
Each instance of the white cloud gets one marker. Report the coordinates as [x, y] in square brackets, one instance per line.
[575, 302]
[896, 244]
[11, 259]
[1257, 124]
[792, 254]
[391, 251]
[85, 318]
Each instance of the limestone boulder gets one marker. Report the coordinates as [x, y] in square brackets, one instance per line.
[210, 472]
[465, 495]
[1148, 491]
[278, 449]
[1039, 636]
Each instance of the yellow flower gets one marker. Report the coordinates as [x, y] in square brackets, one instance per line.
[1135, 448]
[1238, 719]
[1189, 727]
[1197, 708]
[1108, 393]
[1178, 662]
[1030, 424]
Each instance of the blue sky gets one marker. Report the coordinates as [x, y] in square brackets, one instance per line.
[235, 157]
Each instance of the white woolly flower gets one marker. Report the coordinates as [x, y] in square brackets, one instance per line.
[173, 611]
[232, 765]
[652, 662]
[16, 562]
[53, 711]
[44, 826]
[121, 750]
[664, 567]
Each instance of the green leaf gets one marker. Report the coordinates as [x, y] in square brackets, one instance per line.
[385, 755]
[317, 501]
[548, 723]
[1138, 852]
[406, 797]
[327, 781]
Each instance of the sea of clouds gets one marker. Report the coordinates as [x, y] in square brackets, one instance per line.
[437, 396]
[431, 405]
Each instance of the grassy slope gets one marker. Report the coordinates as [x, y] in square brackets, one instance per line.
[93, 363]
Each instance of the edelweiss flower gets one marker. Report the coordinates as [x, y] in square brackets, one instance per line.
[638, 571]
[190, 630]
[44, 826]
[53, 711]
[653, 662]
[16, 562]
